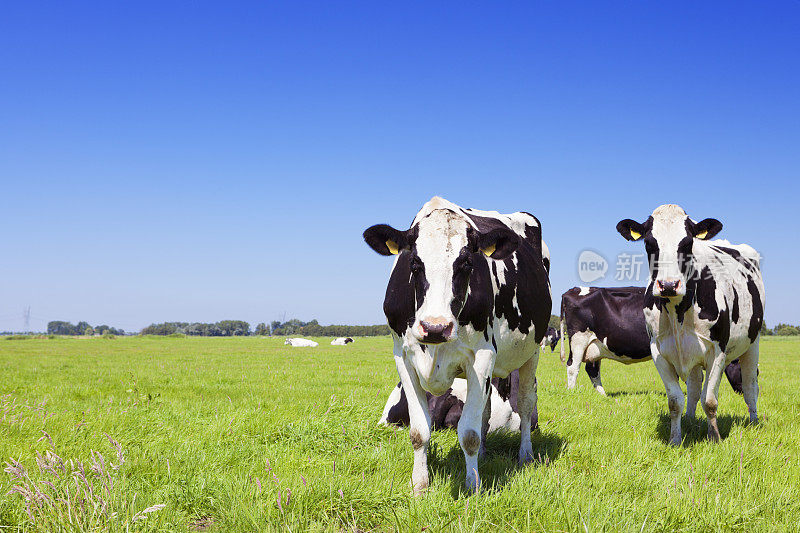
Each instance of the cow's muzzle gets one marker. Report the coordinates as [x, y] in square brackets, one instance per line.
[669, 288]
[436, 330]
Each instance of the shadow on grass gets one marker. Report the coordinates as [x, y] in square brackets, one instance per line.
[621, 393]
[499, 464]
[695, 430]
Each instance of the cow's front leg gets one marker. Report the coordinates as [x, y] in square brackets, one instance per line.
[479, 383]
[419, 430]
[526, 403]
[674, 394]
[711, 393]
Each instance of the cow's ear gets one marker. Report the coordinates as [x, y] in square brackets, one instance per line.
[630, 229]
[707, 229]
[498, 243]
[385, 239]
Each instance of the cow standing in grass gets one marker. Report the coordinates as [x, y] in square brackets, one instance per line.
[704, 307]
[468, 296]
[608, 323]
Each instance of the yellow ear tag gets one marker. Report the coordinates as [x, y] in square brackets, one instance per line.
[392, 246]
[489, 250]
[635, 235]
[702, 235]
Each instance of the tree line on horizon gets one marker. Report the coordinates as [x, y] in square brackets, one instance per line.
[60, 327]
[236, 328]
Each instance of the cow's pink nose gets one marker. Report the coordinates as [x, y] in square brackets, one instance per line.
[436, 330]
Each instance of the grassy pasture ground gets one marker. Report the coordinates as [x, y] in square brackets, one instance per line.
[243, 434]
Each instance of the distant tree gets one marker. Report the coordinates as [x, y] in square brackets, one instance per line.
[89, 331]
[230, 328]
[555, 322]
[764, 329]
[59, 327]
[786, 329]
[262, 329]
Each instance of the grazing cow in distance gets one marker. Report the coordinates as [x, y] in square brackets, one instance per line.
[301, 343]
[445, 410]
[551, 337]
[704, 307]
[608, 323]
[468, 296]
[341, 341]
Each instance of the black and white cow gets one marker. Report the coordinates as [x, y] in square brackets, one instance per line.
[551, 338]
[341, 341]
[468, 296]
[445, 410]
[608, 323]
[703, 307]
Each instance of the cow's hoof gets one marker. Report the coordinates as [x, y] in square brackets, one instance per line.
[419, 488]
[601, 390]
[525, 457]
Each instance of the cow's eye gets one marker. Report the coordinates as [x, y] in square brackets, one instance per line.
[416, 265]
[466, 266]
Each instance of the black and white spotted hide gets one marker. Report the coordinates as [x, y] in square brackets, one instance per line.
[445, 410]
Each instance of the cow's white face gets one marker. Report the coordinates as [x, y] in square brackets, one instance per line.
[669, 236]
[440, 251]
[442, 260]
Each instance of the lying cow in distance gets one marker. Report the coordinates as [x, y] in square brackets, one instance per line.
[341, 341]
[551, 337]
[608, 323]
[301, 343]
[445, 410]
[468, 296]
[704, 307]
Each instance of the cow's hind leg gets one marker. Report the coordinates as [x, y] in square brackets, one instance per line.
[487, 414]
[577, 349]
[694, 384]
[593, 369]
[526, 403]
[749, 365]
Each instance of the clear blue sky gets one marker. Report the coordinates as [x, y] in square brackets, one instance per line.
[195, 161]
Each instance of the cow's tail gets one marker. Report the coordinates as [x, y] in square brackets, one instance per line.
[563, 338]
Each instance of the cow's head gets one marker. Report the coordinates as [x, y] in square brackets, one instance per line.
[441, 248]
[669, 237]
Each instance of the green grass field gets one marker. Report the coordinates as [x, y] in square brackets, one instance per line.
[244, 434]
